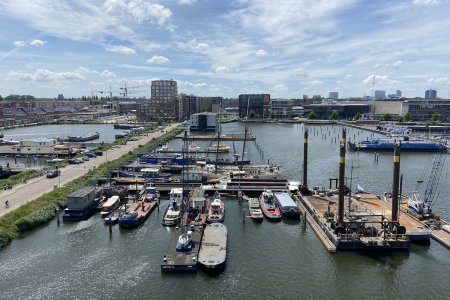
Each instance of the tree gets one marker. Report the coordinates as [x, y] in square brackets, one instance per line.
[312, 115]
[435, 117]
[407, 117]
[272, 115]
[387, 117]
[291, 114]
[252, 115]
[357, 116]
[400, 119]
[334, 115]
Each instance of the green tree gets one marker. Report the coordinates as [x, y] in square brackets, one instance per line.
[291, 114]
[312, 115]
[400, 119]
[387, 117]
[435, 117]
[251, 115]
[1, 98]
[334, 115]
[357, 116]
[272, 115]
[407, 117]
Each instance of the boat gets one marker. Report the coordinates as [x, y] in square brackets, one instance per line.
[221, 148]
[81, 204]
[289, 209]
[165, 148]
[146, 173]
[109, 205]
[4, 172]
[139, 212]
[172, 213]
[213, 250]
[387, 144]
[269, 207]
[184, 243]
[40, 146]
[446, 228]
[125, 126]
[216, 211]
[114, 216]
[293, 186]
[193, 148]
[84, 138]
[1, 135]
[254, 209]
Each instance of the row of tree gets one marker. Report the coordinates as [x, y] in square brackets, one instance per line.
[17, 98]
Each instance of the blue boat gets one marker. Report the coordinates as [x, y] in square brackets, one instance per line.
[165, 159]
[137, 213]
[405, 145]
[148, 173]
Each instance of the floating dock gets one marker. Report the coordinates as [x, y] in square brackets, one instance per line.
[213, 137]
[415, 231]
[183, 261]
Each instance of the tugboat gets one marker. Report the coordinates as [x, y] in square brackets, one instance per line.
[216, 212]
[173, 211]
[269, 207]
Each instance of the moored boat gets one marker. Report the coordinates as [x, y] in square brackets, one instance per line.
[84, 138]
[269, 207]
[289, 209]
[221, 148]
[385, 144]
[81, 204]
[216, 211]
[213, 250]
[109, 205]
[172, 213]
[254, 209]
[140, 211]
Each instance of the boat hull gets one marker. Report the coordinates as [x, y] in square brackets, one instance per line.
[79, 215]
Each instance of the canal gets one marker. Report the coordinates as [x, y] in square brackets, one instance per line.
[268, 260]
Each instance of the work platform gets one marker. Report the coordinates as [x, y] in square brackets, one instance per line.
[183, 261]
[213, 137]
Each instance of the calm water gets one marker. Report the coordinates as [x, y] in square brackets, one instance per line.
[279, 260]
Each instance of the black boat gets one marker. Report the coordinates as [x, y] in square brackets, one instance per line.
[84, 138]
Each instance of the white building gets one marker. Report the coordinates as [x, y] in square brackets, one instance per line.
[203, 122]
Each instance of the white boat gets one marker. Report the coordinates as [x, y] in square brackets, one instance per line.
[216, 212]
[110, 205]
[221, 148]
[193, 148]
[172, 213]
[289, 209]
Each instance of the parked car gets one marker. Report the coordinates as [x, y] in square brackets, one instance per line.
[53, 173]
[75, 161]
[90, 155]
[98, 153]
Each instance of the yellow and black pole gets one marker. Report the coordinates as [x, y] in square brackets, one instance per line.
[305, 160]
[341, 184]
[395, 183]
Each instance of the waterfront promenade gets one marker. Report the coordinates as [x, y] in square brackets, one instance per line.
[36, 187]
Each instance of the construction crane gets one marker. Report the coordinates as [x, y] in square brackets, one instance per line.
[125, 89]
[107, 92]
[423, 207]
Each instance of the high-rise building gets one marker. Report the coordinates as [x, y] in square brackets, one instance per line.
[380, 95]
[333, 95]
[256, 105]
[164, 103]
[430, 94]
[398, 93]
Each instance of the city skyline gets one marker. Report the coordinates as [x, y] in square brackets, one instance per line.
[210, 48]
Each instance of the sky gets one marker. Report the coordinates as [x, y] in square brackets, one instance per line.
[287, 48]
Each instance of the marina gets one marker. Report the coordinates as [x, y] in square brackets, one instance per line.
[244, 236]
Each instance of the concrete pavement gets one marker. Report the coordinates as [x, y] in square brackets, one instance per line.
[36, 187]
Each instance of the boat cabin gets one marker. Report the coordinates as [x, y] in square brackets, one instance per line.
[81, 198]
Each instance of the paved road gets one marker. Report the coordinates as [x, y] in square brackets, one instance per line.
[39, 186]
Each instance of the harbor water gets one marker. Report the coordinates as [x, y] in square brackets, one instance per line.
[283, 260]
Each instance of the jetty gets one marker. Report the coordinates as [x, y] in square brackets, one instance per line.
[213, 137]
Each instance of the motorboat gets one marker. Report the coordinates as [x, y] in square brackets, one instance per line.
[216, 212]
[172, 213]
[269, 207]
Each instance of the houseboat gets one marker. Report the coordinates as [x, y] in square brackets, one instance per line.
[84, 138]
[81, 204]
[289, 209]
[40, 146]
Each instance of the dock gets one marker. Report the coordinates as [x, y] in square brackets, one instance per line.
[415, 230]
[441, 236]
[183, 261]
[213, 137]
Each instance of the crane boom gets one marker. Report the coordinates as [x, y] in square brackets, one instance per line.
[433, 181]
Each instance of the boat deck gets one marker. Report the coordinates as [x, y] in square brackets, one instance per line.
[378, 206]
[183, 261]
[442, 237]
[144, 209]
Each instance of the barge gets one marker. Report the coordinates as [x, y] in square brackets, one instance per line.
[213, 251]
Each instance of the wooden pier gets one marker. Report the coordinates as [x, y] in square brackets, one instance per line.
[183, 261]
[213, 137]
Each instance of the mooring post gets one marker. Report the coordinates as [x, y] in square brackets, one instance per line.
[243, 215]
[57, 217]
[341, 180]
[110, 225]
[395, 183]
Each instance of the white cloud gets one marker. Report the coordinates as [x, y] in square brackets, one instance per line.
[159, 60]
[222, 69]
[261, 52]
[107, 74]
[38, 43]
[45, 75]
[121, 50]
[84, 70]
[187, 84]
[140, 10]
[280, 87]
[380, 81]
[394, 65]
[439, 80]
[299, 72]
[20, 43]
[425, 2]
[187, 2]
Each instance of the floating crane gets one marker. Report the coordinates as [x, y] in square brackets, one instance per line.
[423, 207]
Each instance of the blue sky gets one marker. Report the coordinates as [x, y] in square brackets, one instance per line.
[224, 48]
